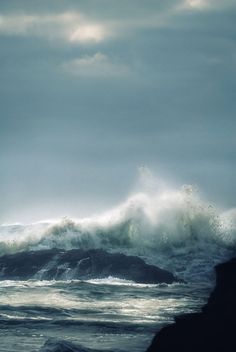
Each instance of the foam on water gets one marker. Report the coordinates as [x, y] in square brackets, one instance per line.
[172, 228]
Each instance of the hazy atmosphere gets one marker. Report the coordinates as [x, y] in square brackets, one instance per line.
[117, 177]
[93, 90]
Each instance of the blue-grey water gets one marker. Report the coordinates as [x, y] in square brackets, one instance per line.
[172, 229]
[101, 314]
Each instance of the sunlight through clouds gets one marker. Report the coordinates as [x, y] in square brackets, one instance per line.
[154, 79]
[77, 27]
[196, 4]
[205, 4]
[97, 65]
[72, 27]
[88, 32]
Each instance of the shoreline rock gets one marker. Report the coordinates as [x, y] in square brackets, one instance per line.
[56, 264]
[213, 329]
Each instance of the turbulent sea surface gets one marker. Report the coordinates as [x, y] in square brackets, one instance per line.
[172, 229]
[104, 314]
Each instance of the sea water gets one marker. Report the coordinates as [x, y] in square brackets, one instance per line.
[173, 229]
[109, 314]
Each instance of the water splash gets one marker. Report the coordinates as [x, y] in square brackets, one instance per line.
[173, 228]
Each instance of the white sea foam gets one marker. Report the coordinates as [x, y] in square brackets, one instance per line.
[172, 228]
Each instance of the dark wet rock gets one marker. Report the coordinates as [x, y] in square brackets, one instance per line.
[53, 345]
[213, 329]
[79, 264]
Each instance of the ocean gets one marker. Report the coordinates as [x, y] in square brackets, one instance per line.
[174, 230]
[106, 314]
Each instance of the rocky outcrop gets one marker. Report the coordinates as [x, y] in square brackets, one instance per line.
[214, 329]
[53, 345]
[79, 264]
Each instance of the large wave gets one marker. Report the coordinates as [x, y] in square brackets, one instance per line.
[174, 229]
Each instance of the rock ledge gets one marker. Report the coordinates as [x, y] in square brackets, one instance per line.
[213, 329]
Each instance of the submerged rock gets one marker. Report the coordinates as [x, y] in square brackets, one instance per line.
[79, 264]
[53, 345]
[214, 329]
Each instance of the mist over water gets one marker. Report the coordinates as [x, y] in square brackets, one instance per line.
[90, 90]
[173, 228]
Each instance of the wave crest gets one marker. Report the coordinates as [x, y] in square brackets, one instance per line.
[171, 228]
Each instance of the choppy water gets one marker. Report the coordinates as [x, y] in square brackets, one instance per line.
[101, 314]
[173, 229]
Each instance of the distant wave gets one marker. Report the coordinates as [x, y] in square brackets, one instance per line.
[174, 229]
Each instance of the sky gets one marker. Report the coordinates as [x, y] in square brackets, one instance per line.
[92, 90]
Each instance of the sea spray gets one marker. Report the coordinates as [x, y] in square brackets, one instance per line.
[174, 229]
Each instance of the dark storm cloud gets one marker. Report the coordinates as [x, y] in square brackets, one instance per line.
[91, 90]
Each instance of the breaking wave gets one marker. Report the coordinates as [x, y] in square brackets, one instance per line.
[174, 229]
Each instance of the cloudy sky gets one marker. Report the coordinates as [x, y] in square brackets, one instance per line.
[90, 90]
